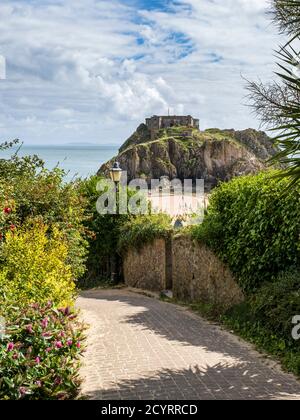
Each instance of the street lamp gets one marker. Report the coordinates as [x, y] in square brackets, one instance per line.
[115, 174]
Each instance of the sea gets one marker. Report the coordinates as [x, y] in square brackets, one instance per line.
[82, 161]
[77, 160]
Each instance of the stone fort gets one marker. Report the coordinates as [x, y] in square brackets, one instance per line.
[157, 122]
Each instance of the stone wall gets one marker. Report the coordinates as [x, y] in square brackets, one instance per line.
[146, 268]
[191, 270]
[200, 276]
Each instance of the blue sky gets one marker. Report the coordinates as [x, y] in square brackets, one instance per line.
[92, 70]
[150, 5]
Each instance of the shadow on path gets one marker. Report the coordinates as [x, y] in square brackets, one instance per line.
[219, 382]
[142, 348]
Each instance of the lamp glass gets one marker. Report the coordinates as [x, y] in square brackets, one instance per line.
[116, 172]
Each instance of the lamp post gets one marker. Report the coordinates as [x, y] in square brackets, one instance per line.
[115, 174]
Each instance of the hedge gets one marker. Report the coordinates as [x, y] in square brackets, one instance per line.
[253, 224]
[140, 230]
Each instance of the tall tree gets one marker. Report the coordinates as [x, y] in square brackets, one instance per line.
[278, 103]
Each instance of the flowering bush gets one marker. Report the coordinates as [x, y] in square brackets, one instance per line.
[39, 353]
[34, 267]
[42, 253]
[29, 191]
[8, 219]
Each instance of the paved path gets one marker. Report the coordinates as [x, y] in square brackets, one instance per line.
[141, 348]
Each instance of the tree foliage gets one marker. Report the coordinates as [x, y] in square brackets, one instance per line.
[278, 103]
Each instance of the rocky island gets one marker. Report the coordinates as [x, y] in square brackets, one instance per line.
[175, 147]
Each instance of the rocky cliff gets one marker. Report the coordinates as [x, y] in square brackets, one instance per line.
[186, 153]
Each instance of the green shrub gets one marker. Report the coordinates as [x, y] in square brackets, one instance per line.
[265, 318]
[102, 234]
[34, 267]
[254, 226]
[31, 192]
[39, 354]
[275, 305]
[144, 229]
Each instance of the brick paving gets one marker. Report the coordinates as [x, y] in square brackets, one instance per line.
[142, 348]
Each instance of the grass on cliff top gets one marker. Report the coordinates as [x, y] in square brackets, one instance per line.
[193, 133]
[188, 137]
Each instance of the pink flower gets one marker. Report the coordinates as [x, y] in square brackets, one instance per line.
[62, 334]
[48, 349]
[78, 345]
[67, 311]
[15, 356]
[7, 210]
[37, 360]
[10, 346]
[58, 344]
[45, 323]
[29, 329]
[58, 381]
[46, 334]
[22, 390]
[69, 343]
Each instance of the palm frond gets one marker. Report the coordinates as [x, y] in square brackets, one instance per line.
[286, 15]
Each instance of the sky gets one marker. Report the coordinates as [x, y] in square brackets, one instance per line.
[90, 71]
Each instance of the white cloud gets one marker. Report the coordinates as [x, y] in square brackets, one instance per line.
[92, 70]
[63, 112]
